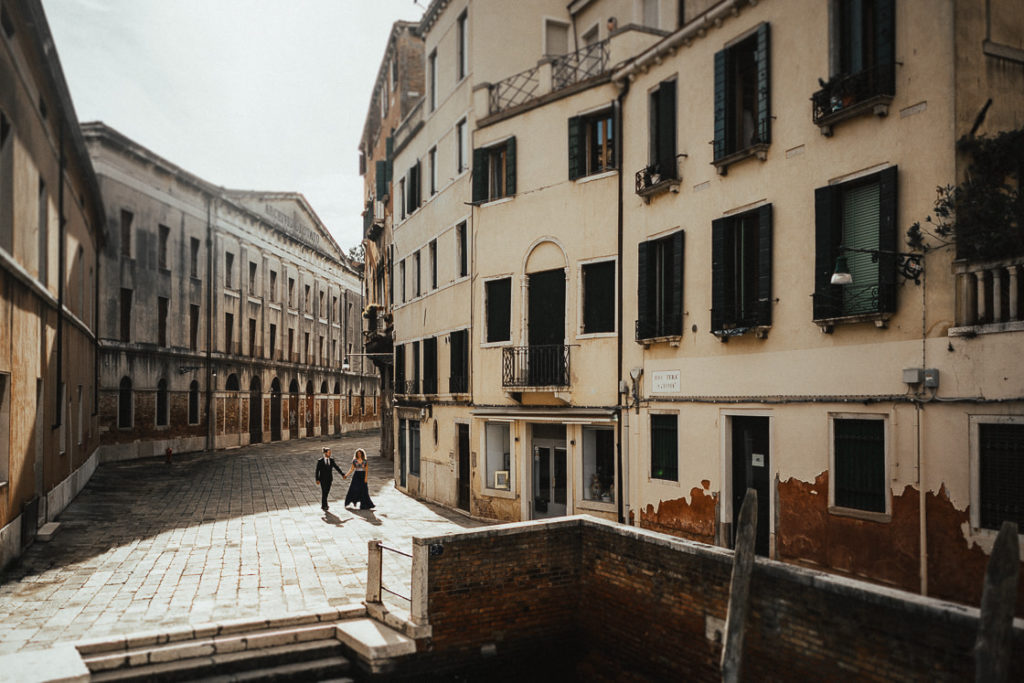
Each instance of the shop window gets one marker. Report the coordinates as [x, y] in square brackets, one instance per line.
[499, 460]
[599, 464]
[665, 447]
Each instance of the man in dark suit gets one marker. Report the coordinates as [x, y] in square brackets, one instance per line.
[324, 475]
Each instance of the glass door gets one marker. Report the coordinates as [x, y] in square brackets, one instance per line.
[549, 480]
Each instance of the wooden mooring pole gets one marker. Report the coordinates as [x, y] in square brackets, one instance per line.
[994, 643]
[739, 588]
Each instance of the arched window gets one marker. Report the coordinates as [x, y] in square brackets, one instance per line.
[124, 404]
[193, 403]
[337, 388]
[323, 387]
[161, 403]
[232, 383]
[362, 401]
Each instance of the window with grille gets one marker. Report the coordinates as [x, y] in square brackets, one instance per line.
[859, 464]
[1001, 474]
[665, 447]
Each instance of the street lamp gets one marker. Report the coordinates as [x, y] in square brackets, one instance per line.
[908, 264]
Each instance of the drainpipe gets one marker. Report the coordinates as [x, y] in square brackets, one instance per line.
[623, 414]
[922, 511]
[209, 323]
[59, 423]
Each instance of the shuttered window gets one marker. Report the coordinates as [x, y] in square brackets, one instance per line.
[399, 369]
[660, 287]
[499, 309]
[741, 271]
[494, 171]
[430, 365]
[458, 362]
[1001, 474]
[380, 174]
[742, 89]
[665, 447]
[662, 127]
[859, 467]
[592, 144]
[598, 297]
[864, 42]
[414, 447]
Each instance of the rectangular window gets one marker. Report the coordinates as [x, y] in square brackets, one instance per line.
[742, 115]
[252, 338]
[323, 305]
[413, 188]
[80, 425]
[432, 251]
[126, 314]
[229, 265]
[598, 292]
[461, 146]
[859, 464]
[741, 271]
[498, 473]
[5, 423]
[252, 277]
[651, 14]
[461, 245]
[6, 164]
[414, 352]
[229, 333]
[126, 233]
[862, 49]
[400, 369]
[432, 73]
[661, 135]
[498, 299]
[417, 274]
[165, 237]
[660, 287]
[556, 38]
[161, 315]
[401, 276]
[458, 362]
[273, 340]
[665, 447]
[273, 285]
[414, 447]
[44, 233]
[592, 144]
[306, 303]
[193, 327]
[194, 258]
[433, 170]
[401, 197]
[291, 345]
[291, 292]
[323, 351]
[430, 365]
[1001, 474]
[494, 171]
[599, 464]
[462, 47]
[305, 348]
[857, 215]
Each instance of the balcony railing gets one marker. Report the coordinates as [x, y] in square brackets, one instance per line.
[655, 178]
[989, 296]
[514, 90]
[847, 96]
[535, 366]
[587, 62]
[658, 328]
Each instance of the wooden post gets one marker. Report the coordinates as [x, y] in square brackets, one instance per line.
[998, 599]
[373, 569]
[739, 588]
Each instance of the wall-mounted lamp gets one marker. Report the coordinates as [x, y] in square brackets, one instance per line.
[634, 375]
[908, 265]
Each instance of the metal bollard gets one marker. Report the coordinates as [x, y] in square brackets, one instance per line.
[167, 455]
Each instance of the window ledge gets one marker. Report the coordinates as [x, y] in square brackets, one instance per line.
[988, 328]
[760, 332]
[865, 515]
[498, 493]
[877, 105]
[597, 335]
[673, 340]
[667, 185]
[495, 202]
[881, 321]
[760, 150]
[596, 176]
[598, 505]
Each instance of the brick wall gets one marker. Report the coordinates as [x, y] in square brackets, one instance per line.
[611, 602]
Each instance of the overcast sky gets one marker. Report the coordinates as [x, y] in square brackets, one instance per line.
[248, 94]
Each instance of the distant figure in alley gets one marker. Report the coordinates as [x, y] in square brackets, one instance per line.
[358, 493]
[325, 477]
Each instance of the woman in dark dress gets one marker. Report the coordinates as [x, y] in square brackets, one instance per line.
[358, 493]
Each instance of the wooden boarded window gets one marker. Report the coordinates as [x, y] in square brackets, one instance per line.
[859, 466]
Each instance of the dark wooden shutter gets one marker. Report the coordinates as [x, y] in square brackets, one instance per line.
[763, 59]
[667, 129]
[389, 152]
[599, 297]
[887, 240]
[674, 325]
[721, 145]
[764, 265]
[381, 176]
[885, 45]
[479, 175]
[499, 310]
[510, 167]
[644, 317]
[827, 231]
[399, 373]
[721, 275]
[617, 134]
[430, 365]
[577, 165]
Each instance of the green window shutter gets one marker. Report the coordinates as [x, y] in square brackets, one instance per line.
[860, 480]
[667, 129]
[381, 176]
[479, 175]
[887, 206]
[419, 183]
[510, 167]
[827, 235]
[764, 265]
[389, 152]
[674, 325]
[577, 165]
[885, 45]
[721, 145]
[617, 134]
[763, 59]
[721, 274]
[644, 300]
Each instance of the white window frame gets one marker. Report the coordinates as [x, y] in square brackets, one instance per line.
[887, 433]
[486, 474]
[484, 344]
[548, 22]
[987, 536]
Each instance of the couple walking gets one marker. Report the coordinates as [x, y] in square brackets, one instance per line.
[358, 493]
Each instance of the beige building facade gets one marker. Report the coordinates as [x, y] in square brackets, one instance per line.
[227, 318]
[51, 231]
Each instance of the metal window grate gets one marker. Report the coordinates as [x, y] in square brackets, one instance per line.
[1001, 480]
[860, 464]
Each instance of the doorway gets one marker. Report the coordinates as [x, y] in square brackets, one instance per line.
[463, 437]
[255, 411]
[546, 333]
[549, 472]
[275, 410]
[751, 468]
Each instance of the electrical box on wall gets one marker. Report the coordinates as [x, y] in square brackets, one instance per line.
[913, 375]
[931, 378]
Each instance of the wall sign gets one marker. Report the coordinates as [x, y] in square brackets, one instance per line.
[665, 382]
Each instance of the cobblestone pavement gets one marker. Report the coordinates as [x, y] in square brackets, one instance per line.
[211, 537]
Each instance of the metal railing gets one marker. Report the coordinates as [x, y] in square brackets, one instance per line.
[842, 93]
[535, 366]
[652, 178]
[375, 570]
[514, 90]
[841, 301]
[587, 62]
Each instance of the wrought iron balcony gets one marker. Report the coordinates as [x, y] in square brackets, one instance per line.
[844, 97]
[535, 366]
[656, 178]
[514, 90]
[587, 62]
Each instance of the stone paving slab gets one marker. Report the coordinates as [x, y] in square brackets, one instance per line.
[211, 537]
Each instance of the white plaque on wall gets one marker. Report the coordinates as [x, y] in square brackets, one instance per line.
[665, 382]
